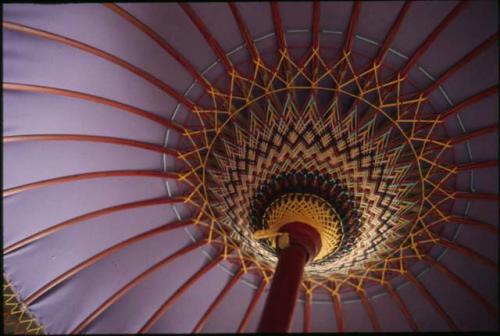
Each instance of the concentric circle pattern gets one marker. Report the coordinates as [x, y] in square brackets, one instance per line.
[153, 151]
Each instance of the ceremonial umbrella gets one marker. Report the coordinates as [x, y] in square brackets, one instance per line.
[155, 156]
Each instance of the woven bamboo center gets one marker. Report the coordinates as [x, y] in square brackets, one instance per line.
[311, 210]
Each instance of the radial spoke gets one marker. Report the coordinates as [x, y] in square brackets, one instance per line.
[89, 138]
[87, 176]
[217, 301]
[95, 99]
[141, 277]
[166, 305]
[85, 217]
[251, 307]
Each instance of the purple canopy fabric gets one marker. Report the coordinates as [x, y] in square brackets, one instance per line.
[104, 82]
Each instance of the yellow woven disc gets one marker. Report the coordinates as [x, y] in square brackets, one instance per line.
[308, 209]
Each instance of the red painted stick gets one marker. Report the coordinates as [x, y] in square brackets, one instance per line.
[278, 311]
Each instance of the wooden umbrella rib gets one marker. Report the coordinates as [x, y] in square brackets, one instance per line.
[95, 99]
[425, 292]
[432, 37]
[160, 41]
[166, 305]
[478, 165]
[104, 55]
[87, 216]
[87, 176]
[278, 27]
[251, 307]
[212, 42]
[392, 32]
[338, 312]
[351, 27]
[451, 275]
[217, 301]
[469, 101]
[468, 252]
[245, 33]
[402, 306]
[473, 223]
[90, 138]
[369, 309]
[461, 63]
[130, 285]
[474, 134]
[101, 255]
[475, 195]
[316, 24]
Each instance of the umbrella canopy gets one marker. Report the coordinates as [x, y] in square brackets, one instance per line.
[152, 152]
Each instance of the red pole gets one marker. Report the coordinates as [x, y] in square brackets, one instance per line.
[304, 244]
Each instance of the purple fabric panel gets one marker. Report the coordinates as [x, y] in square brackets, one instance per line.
[33, 161]
[388, 314]
[486, 212]
[62, 66]
[133, 310]
[426, 318]
[463, 308]
[297, 325]
[335, 15]
[376, 18]
[421, 20]
[93, 286]
[481, 114]
[480, 277]
[257, 17]
[190, 307]
[59, 252]
[257, 313]
[456, 41]
[296, 15]
[355, 316]
[180, 32]
[323, 317]
[478, 241]
[212, 14]
[228, 315]
[480, 74]
[108, 32]
[30, 212]
[58, 114]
